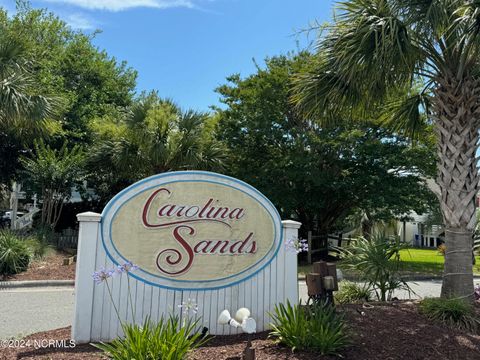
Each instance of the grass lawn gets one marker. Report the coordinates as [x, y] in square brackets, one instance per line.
[417, 261]
[427, 261]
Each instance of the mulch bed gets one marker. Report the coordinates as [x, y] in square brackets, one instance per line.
[387, 331]
[49, 268]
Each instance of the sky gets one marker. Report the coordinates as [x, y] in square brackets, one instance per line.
[186, 48]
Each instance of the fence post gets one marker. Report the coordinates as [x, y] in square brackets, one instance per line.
[84, 286]
[290, 230]
[309, 251]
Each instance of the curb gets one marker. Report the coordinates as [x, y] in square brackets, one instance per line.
[406, 278]
[36, 283]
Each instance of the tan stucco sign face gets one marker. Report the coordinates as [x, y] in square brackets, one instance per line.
[192, 230]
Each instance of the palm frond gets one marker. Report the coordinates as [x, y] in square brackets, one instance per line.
[406, 113]
[366, 52]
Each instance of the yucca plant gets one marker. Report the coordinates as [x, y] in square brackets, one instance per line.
[165, 340]
[315, 328]
[455, 313]
[378, 261]
[14, 253]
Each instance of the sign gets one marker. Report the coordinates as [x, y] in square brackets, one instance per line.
[191, 230]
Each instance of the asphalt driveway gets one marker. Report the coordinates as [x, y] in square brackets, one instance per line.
[25, 311]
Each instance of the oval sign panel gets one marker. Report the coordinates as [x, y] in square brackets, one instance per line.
[191, 230]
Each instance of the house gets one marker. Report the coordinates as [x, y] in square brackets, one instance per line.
[419, 233]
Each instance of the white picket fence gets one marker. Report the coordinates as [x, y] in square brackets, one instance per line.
[95, 317]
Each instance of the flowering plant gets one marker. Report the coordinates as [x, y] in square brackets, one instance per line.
[103, 275]
[167, 338]
[296, 245]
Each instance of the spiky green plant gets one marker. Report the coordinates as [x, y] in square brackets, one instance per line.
[165, 340]
[315, 328]
[14, 253]
[350, 292]
[377, 260]
[455, 313]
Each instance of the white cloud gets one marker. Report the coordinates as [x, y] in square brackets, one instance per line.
[118, 5]
[80, 22]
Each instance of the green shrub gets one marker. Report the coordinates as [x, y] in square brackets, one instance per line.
[316, 328]
[38, 246]
[350, 292]
[455, 313]
[377, 260]
[14, 253]
[39, 239]
[166, 340]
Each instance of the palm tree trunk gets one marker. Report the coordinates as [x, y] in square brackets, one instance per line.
[457, 120]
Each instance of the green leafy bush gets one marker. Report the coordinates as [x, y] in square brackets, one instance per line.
[350, 292]
[38, 247]
[40, 240]
[316, 328]
[377, 260]
[14, 253]
[455, 313]
[165, 340]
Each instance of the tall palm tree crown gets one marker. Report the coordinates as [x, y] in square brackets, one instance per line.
[156, 136]
[377, 47]
[20, 105]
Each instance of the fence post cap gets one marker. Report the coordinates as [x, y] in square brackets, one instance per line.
[291, 224]
[89, 216]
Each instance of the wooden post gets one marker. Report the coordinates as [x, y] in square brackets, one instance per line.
[332, 271]
[249, 352]
[314, 284]
[320, 267]
[340, 240]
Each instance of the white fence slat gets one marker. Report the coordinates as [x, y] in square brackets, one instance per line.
[210, 314]
[139, 304]
[260, 295]
[266, 295]
[271, 293]
[170, 303]
[254, 301]
[162, 310]
[108, 311]
[221, 329]
[154, 303]
[147, 304]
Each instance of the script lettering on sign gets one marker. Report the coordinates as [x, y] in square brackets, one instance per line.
[192, 229]
[181, 219]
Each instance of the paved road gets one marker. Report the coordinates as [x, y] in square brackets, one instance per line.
[30, 310]
[422, 289]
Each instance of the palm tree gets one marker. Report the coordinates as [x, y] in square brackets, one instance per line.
[155, 136]
[22, 107]
[431, 48]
